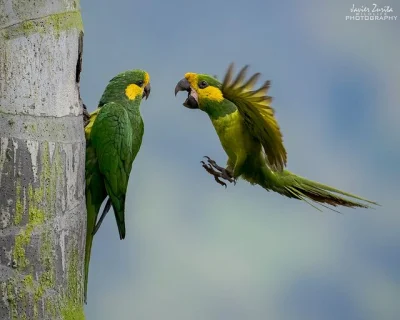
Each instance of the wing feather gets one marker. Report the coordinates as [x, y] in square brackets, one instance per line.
[111, 137]
[255, 107]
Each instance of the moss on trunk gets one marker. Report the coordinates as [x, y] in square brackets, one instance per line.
[42, 158]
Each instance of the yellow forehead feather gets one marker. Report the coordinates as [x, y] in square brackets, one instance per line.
[192, 78]
[146, 79]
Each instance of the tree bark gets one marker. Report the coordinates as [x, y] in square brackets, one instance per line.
[42, 160]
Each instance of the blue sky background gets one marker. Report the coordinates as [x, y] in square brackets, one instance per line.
[197, 251]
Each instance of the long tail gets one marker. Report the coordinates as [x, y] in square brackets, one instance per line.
[90, 224]
[294, 186]
[95, 195]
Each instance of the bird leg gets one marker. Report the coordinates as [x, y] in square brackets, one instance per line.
[218, 172]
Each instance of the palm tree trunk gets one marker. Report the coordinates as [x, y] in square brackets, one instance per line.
[42, 160]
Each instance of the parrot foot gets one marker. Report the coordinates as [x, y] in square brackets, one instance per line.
[218, 172]
[86, 116]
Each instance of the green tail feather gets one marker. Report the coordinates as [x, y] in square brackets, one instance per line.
[294, 186]
[95, 195]
[119, 213]
[121, 228]
[91, 220]
[118, 204]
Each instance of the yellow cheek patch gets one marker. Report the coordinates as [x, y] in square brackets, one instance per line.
[132, 91]
[210, 93]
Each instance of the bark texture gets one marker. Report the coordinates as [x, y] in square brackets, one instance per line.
[42, 160]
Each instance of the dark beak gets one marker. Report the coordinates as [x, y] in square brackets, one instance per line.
[184, 85]
[146, 91]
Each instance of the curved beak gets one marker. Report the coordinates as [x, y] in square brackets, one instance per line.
[146, 91]
[191, 101]
[182, 85]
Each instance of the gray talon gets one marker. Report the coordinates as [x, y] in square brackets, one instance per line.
[218, 172]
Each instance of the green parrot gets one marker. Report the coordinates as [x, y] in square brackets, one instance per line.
[251, 137]
[114, 134]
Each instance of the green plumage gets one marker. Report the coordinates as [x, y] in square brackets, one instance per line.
[251, 137]
[113, 139]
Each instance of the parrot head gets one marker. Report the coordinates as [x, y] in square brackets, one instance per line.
[204, 91]
[132, 85]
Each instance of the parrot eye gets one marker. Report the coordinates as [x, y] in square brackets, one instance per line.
[140, 83]
[203, 84]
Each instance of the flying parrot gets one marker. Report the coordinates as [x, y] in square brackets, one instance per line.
[250, 135]
[114, 134]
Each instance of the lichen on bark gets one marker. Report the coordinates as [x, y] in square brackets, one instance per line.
[42, 156]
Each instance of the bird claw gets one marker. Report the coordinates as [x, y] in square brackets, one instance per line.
[218, 172]
[86, 116]
[220, 182]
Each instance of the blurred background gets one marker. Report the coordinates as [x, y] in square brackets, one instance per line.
[197, 251]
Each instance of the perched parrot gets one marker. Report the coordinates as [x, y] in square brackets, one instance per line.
[251, 137]
[114, 134]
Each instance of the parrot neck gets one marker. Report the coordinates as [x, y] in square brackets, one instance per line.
[218, 109]
[116, 93]
[133, 108]
[130, 105]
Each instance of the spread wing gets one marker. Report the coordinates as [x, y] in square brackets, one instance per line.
[111, 137]
[254, 106]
